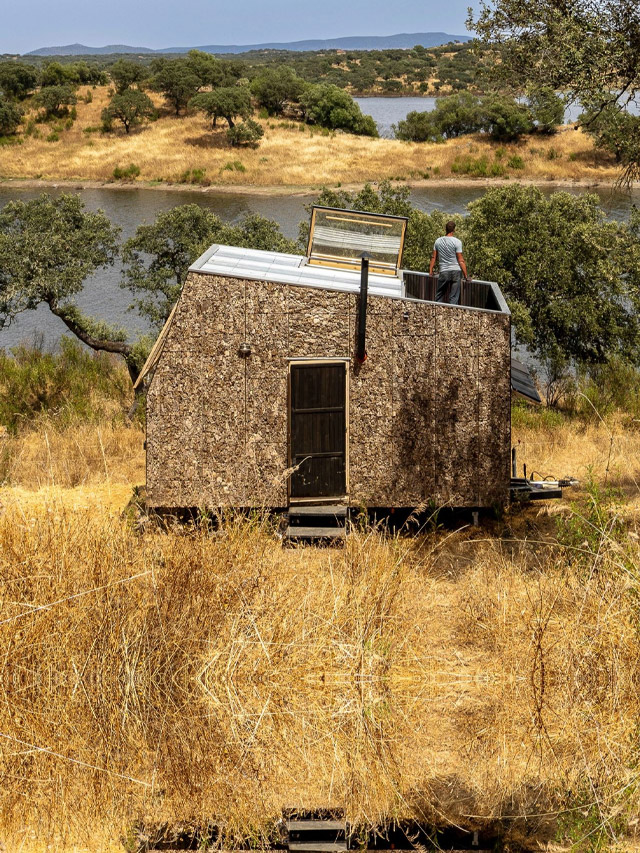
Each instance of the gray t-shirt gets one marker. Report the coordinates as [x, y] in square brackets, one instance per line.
[446, 247]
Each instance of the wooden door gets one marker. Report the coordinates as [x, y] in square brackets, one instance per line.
[318, 425]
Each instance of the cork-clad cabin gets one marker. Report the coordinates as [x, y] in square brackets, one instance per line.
[328, 379]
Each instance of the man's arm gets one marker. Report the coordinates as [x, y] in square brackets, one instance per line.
[463, 266]
[434, 255]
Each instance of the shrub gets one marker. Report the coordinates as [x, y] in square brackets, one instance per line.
[515, 162]
[193, 176]
[72, 384]
[130, 171]
[333, 108]
[234, 166]
[10, 117]
[504, 118]
[53, 137]
[477, 167]
[417, 127]
[248, 132]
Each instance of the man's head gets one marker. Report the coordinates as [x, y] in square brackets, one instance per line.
[450, 227]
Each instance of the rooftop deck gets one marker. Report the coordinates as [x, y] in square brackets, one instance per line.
[258, 265]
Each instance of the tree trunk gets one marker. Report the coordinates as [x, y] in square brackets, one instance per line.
[100, 345]
[230, 120]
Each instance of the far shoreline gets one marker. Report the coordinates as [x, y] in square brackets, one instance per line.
[304, 190]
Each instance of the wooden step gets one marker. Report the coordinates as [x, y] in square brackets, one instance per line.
[317, 846]
[311, 533]
[302, 825]
[332, 510]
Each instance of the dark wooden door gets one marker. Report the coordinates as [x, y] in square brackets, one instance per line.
[318, 430]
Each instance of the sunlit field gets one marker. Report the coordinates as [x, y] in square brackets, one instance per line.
[291, 154]
[190, 677]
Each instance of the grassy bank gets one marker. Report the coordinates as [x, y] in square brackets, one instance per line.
[186, 149]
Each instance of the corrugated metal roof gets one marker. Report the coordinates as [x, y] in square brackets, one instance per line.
[522, 381]
[278, 267]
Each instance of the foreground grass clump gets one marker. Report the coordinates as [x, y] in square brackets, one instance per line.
[63, 418]
[198, 676]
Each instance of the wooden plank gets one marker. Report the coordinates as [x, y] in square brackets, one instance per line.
[315, 825]
[315, 532]
[333, 510]
[317, 846]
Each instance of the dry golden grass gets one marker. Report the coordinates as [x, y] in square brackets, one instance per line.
[291, 156]
[196, 676]
[606, 451]
[175, 677]
[78, 455]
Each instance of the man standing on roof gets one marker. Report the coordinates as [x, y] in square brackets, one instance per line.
[448, 251]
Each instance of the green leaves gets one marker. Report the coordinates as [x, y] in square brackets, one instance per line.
[131, 108]
[158, 256]
[48, 247]
[330, 106]
[228, 102]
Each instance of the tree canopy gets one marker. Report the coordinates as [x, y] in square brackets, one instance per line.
[331, 107]
[274, 87]
[158, 256]
[17, 79]
[55, 100]
[227, 102]
[48, 247]
[177, 81]
[588, 49]
[10, 116]
[130, 108]
[125, 73]
[571, 278]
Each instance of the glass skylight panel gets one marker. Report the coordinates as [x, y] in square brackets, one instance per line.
[339, 238]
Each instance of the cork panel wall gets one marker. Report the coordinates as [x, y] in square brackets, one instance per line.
[318, 323]
[210, 312]
[266, 414]
[224, 426]
[175, 434]
[414, 350]
[456, 407]
[494, 405]
[371, 471]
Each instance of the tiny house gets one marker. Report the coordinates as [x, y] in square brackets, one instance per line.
[328, 379]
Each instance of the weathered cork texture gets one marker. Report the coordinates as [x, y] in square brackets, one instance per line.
[428, 411]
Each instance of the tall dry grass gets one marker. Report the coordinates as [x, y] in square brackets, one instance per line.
[290, 154]
[203, 676]
[193, 677]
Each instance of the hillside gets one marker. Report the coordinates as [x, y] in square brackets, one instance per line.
[186, 149]
[400, 40]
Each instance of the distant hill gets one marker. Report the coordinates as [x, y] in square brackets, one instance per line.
[83, 50]
[401, 40]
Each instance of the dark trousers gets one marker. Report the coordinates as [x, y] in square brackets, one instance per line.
[449, 279]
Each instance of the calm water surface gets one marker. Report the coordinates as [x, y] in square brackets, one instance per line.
[389, 111]
[104, 298]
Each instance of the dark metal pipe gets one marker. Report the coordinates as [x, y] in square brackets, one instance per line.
[361, 351]
[514, 464]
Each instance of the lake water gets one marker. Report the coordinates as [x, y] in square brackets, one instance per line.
[389, 111]
[105, 299]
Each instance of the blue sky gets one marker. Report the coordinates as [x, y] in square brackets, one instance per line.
[166, 23]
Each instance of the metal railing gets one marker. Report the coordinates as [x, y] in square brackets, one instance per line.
[473, 294]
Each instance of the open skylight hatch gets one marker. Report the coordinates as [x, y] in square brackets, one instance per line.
[338, 238]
